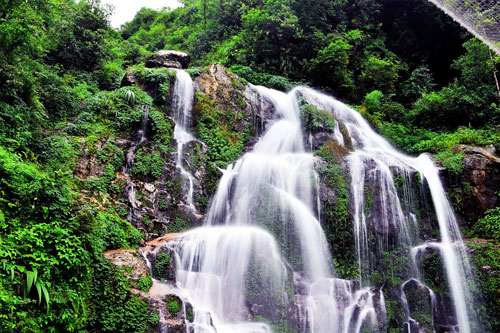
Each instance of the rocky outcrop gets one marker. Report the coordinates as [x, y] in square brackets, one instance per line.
[229, 92]
[174, 311]
[169, 59]
[88, 165]
[133, 264]
[475, 189]
[129, 79]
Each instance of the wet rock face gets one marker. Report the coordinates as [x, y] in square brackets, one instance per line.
[476, 187]
[428, 308]
[170, 59]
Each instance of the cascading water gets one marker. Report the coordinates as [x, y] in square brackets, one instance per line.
[182, 104]
[374, 156]
[262, 251]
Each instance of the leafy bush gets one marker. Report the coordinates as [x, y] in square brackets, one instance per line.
[147, 165]
[145, 282]
[315, 120]
[463, 135]
[262, 79]
[161, 265]
[161, 128]
[58, 99]
[216, 129]
[113, 308]
[489, 225]
[194, 72]
[179, 225]
[124, 117]
[173, 306]
[116, 232]
[453, 162]
[57, 151]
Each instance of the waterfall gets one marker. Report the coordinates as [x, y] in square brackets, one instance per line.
[373, 155]
[182, 105]
[262, 252]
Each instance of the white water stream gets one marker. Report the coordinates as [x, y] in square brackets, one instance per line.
[262, 225]
[371, 149]
[182, 105]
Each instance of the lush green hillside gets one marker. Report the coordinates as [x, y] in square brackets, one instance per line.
[413, 73]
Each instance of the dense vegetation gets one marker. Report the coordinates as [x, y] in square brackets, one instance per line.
[418, 78]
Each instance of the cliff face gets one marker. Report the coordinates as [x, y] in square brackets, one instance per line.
[474, 189]
[228, 118]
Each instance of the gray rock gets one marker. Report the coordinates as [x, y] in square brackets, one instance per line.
[170, 59]
[479, 180]
[129, 79]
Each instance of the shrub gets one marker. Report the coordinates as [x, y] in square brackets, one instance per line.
[179, 225]
[58, 99]
[262, 79]
[116, 232]
[147, 165]
[489, 225]
[145, 282]
[453, 162]
[315, 120]
[173, 306]
[161, 265]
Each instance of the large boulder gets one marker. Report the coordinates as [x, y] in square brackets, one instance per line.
[131, 261]
[170, 59]
[474, 190]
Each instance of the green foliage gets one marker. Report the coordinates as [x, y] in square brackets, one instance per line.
[179, 225]
[489, 225]
[173, 306]
[434, 275]
[163, 204]
[60, 69]
[155, 80]
[57, 152]
[82, 42]
[463, 135]
[145, 282]
[315, 120]
[116, 232]
[194, 72]
[420, 82]
[58, 99]
[263, 79]
[147, 164]
[486, 259]
[337, 220]
[216, 129]
[162, 263]
[161, 129]
[380, 74]
[453, 162]
[114, 309]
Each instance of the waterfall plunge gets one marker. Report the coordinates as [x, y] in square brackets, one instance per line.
[261, 226]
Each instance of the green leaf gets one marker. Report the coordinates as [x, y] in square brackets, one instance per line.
[46, 294]
[30, 278]
[38, 285]
[45, 212]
